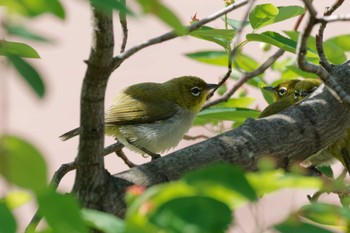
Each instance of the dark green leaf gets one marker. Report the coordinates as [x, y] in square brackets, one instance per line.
[30, 75]
[222, 37]
[193, 214]
[326, 170]
[299, 72]
[342, 41]
[225, 113]
[62, 213]
[22, 164]
[35, 8]
[104, 222]
[111, 4]
[9, 48]
[300, 227]
[7, 220]
[21, 31]
[228, 176]
[274, 39]
[262, 14]
[158, 9]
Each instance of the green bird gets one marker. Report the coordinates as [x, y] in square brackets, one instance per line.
[292, 91]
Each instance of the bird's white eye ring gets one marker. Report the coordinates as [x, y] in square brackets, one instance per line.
[282, 91]
[296, 94]
[196, 91]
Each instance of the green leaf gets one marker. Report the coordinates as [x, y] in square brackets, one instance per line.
[158, 9]
[62, 213]
[111, 4]
[21, 31]
[222, 37]
[242, 102]
[268, 96]
[30, 75]
[9, 48]
[34, 8]
[333, 52]
[260, 15]
[7, 220]
[16, 198]
[300, 73]
[292, 226]
[267, 14]
[342, 41]
[22, 164]
[193, 214]
[227, 176]
[224, 113]
[219, 58]
[101, 221]
[236, 24]
[327, 214]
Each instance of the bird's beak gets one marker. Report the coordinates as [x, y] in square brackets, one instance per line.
[269, 88]
[212, 86]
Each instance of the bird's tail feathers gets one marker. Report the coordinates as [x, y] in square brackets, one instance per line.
[70, 134]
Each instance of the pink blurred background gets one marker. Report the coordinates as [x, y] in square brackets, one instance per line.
[42, 121]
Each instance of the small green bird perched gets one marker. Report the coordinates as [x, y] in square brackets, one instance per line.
[151, 118]
[288, 93]
[295, 92]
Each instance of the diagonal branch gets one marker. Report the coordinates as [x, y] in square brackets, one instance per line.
[171, 35]
[319, 37]
[245, 77]
[124, 25]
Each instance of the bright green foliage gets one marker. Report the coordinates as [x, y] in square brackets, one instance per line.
[8, 48]
[214, 114]
[62, 212]
[266, 14]
[29, 74]
[22, 164]
[102, 221]
[7, 220]
[16, 198]
[221, 37]
[342, 41]
[35, 8]
[163, 13]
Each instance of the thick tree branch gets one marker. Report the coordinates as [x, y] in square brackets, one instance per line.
[290, 136]
[90, 175]
[171, 35]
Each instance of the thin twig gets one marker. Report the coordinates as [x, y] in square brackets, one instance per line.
[245, 77]
[335, 18]
[319, 37]
[124, 24]
[303, 64]
[233, 53]
[117, 60]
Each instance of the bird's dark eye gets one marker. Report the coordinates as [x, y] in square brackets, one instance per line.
[196, 91]
[282, 91]
[296, 94]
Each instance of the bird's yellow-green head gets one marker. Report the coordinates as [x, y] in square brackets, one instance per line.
[188, 92]
[283, 89]
[305, 88]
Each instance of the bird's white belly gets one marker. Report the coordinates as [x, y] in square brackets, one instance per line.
[156, 137]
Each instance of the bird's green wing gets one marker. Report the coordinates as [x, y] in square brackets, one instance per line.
[140, 104]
